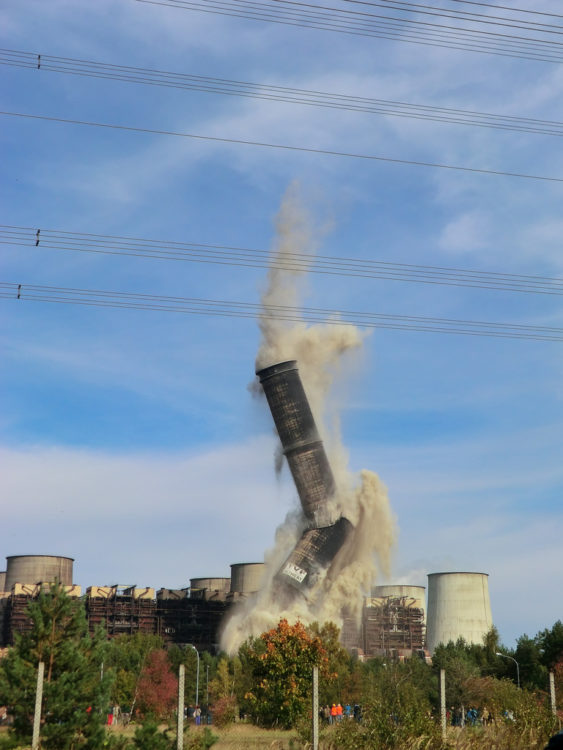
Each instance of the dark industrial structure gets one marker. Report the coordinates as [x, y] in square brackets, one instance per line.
[323, 536]
[392, 622]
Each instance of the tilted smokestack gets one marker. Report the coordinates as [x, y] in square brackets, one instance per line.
[309, 466]
[301, 442]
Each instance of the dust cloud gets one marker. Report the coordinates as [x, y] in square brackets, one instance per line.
[323, 353]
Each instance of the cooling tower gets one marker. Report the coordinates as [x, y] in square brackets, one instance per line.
[302, 445]
[2, 580]
[211, 584]
[415, 596]
[458, 606]
[38, 569]
[246, 577]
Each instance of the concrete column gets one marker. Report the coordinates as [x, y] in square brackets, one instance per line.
[180, 732]
[443, 702]
[552, 693]
[38, 700]
[315, 708]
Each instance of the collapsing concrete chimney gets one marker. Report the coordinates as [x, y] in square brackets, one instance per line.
[309, 466]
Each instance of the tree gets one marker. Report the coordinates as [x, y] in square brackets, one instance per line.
[280, 664]
[75, 694]
[459, 663]
[396, 710]
[126, 656]
[528, 655]
[338, 666]
[550, 642]
[158, 687]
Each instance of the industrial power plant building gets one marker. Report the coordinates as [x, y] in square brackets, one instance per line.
[395, 621]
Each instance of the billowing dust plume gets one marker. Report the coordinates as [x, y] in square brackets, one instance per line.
[321, 351]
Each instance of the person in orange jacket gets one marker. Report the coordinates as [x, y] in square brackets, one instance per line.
[333, 713]
[339, 712]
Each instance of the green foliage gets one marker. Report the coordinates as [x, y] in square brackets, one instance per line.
[533, 673]
[201, 740]
[550, 642]
[339, 668]
[149, 737]
[187, 656]
[461, 663]
[398, 707]
[125, 658]
[280, 665]
[75, 695]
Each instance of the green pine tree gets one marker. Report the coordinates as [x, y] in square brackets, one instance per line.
[75, 692]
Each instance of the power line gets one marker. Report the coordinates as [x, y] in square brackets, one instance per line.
[283, 313]
[246, 89]
[462, 15]
[507, 7]
[283, 147]
[293, 262]
[306, 15]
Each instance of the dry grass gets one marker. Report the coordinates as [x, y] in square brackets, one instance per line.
[241, 736]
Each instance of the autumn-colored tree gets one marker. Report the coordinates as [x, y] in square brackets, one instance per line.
[158, 686]
[126, 656]
[280, 663]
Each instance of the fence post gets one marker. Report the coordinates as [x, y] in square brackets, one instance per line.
[180, 733]
[443, 702]
[315, 708]
[552, 693]
[38, 700]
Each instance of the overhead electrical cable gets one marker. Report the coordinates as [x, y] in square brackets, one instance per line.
[47, 239]
[245, 89]
[486, 19]
[285, 147]
[312, 315]
[330, 18]
[506, 7]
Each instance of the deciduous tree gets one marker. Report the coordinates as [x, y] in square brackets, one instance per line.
[280, 663]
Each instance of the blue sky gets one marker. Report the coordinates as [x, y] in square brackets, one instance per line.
[130, 440]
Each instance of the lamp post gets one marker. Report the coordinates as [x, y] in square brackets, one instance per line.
[190, 645]
[506, 656]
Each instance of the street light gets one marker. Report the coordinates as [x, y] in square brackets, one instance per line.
[506, 656]
[196, 674]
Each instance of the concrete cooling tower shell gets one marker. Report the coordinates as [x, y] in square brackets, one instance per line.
[246, 577]
[415, 595]
[458, 606]
[2, 580]
[38, 569]
[211, 584]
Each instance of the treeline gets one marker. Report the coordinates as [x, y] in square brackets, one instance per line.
[90, 678]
